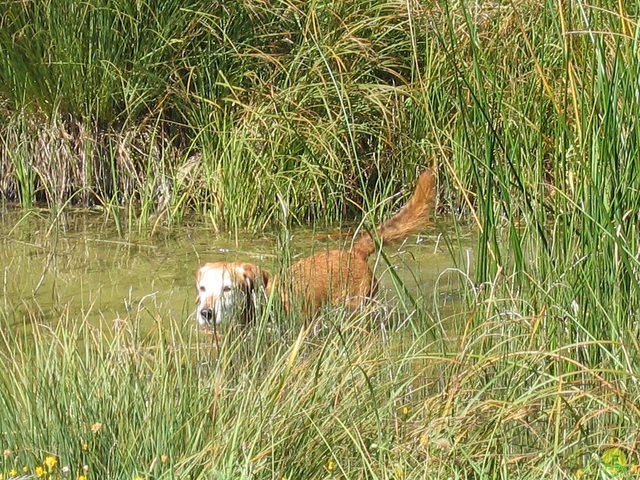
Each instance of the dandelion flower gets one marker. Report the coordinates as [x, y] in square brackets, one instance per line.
[39, 471]
[614, 456]
[82, 477]
[13, 472]
[614, 460]
[51, 462]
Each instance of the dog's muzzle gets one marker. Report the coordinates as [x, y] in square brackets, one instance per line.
[208, 315]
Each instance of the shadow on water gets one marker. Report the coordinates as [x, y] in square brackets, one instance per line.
[79, 267]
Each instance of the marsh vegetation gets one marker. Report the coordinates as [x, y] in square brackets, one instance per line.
[251, 116]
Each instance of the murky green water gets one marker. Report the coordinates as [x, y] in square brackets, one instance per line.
[79, 267]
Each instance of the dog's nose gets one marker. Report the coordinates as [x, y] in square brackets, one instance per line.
[207, 314]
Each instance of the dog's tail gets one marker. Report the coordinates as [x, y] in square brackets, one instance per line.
[410, 218]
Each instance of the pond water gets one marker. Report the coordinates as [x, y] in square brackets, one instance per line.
[77, 265]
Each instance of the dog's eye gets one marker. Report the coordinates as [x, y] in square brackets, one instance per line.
[226, 288]
[202, 289]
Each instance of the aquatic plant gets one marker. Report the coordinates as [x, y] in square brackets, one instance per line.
[237, 111]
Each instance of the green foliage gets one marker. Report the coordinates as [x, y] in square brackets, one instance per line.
[341, 398]
[240, 103]
[254, 115]
[229, 110]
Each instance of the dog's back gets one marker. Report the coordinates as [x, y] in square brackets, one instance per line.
[343, 277]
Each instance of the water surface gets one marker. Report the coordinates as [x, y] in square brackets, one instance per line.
[80, 267]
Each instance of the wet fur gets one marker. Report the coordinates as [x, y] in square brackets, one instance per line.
[343, 277]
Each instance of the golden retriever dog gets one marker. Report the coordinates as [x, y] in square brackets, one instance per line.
[228, 290]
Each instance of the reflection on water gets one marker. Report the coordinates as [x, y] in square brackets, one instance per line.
[78, 265]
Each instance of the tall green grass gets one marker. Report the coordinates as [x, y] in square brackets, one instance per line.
[225, 106]
[337, 399]
[220, 109]
[255, 116]
[159, 111]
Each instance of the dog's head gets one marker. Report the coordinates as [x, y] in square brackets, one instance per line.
[226, 291]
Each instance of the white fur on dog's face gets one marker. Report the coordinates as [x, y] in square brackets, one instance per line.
[221, 295]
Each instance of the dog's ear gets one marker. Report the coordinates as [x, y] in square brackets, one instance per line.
[265, 277]
[253, 275]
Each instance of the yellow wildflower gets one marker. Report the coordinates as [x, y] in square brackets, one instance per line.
[635, 469]
[82, 477]
[25, 469]
[39, 471]
[424, 440]
[405, 410]
[579, 473]
[85, 447]
[398, 471]
[51, 462]
[13, 472]
[164, 458]
[614, 460]
[95, 428]
[331, 465]
[614, 456]
[138, 478]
